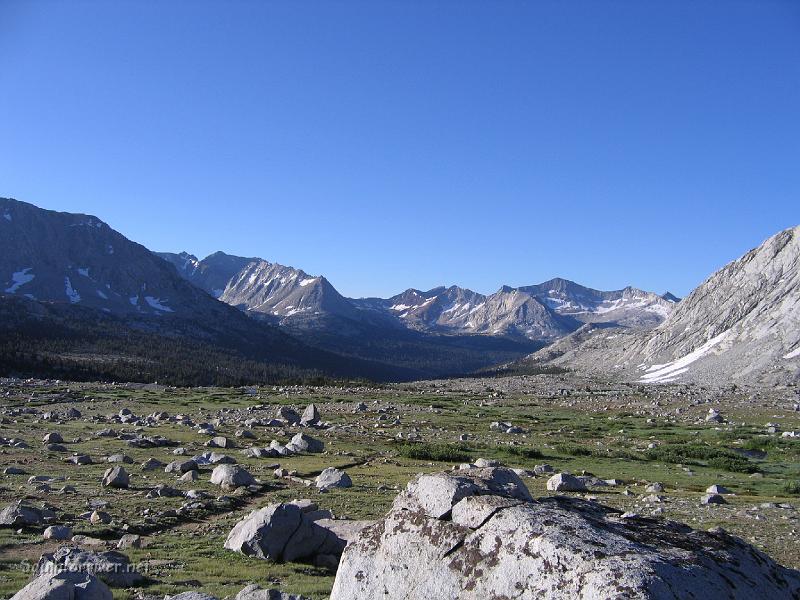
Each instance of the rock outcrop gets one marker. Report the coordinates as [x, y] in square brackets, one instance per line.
[479, 535]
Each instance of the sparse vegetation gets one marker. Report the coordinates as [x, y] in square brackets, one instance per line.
[435, 452]
[586, 431]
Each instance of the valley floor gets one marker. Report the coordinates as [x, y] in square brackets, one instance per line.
[637, 435]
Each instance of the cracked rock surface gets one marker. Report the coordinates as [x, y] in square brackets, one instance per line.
[479, 534]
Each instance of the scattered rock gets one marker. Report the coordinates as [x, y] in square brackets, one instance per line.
[112, 567]
[129, 540]
[255, 592]
[180, 466]
[57, 532]
[285, 532]
[116, 477]
[564, 482]
[18, 514]
[120, 458]
[310, 416]
[231, 476]
[64, 586]
[713, 499]
[287, 415]
[305, 443]
[333, 478]
[151, 464]
[53, 438]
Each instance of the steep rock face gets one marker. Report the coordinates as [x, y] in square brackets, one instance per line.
[211, 274]
[512, 311]
[744, 320]
[630, 307]
[464, 537]
[272, 289]
[742, 324]
[78, 259]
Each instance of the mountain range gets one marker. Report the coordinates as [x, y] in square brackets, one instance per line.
[542, 312]
[78, 297]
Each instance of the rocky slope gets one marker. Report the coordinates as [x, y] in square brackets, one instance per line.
[211, 274]
[741, 324]
[78, 259]
[272, 289]
[79, 300]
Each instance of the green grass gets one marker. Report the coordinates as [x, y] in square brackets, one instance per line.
[697, 454]
[792, 488]
[435, 452]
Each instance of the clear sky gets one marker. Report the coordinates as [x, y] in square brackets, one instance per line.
[399, 144]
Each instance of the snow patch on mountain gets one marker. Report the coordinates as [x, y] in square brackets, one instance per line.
[156, 304]
[669, 371]
[20, 278]
[73, 296]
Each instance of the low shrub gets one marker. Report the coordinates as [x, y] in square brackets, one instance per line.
[716, 458]
[435, 452]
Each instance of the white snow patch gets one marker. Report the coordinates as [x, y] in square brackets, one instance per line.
[217, 292]
[399, 307]
[84, 271]
[19, 278]
[102, 295]
[73, 295]
[134, 300]
[306, 282]
[793, 354]
[670, 370]
[156, 303]
[7, 216]
[109, 249]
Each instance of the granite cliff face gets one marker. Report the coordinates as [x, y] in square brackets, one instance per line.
[741, 324]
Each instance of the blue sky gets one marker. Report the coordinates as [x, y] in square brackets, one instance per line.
[412, 144]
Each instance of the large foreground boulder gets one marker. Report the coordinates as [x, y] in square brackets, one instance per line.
[64, 586]
[287, 532]
[495, 543]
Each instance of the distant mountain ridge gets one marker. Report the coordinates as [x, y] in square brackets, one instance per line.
[78, 299]
[543, 312]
